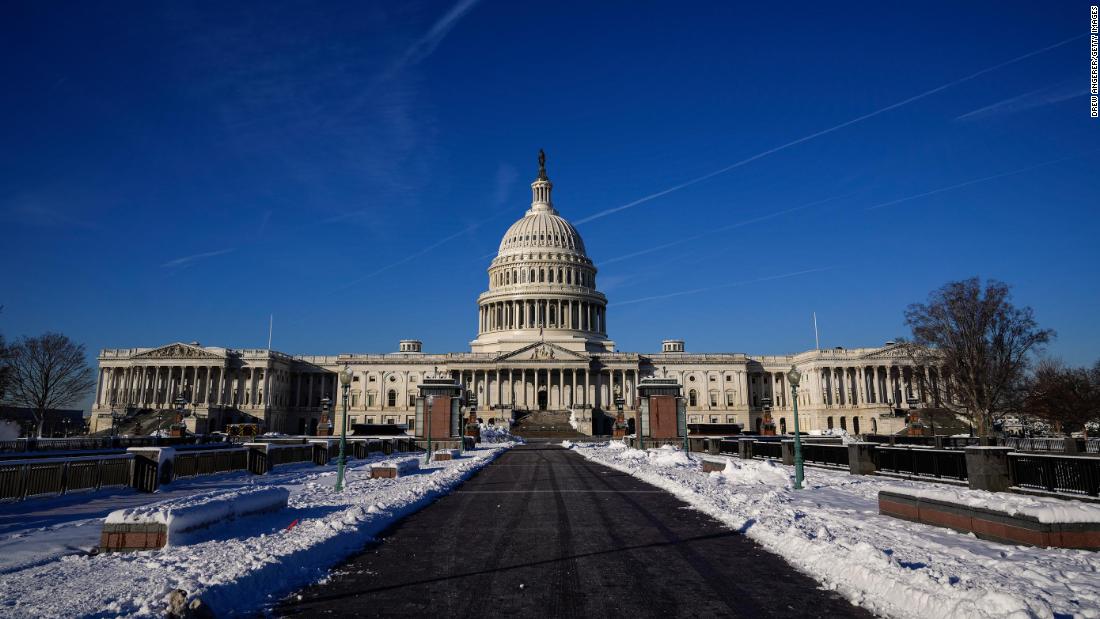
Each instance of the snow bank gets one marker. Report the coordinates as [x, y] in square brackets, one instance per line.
[202, 510]
[498, 433]
[832, 531]
[1046, 510]
[244, 566]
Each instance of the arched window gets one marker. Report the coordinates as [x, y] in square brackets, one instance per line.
[782, 425]
[693, 398]
[874, 425]
[844, 423]
[532, 280]
[551, 276]
[391, 398]
[829, 423]
[855, 425]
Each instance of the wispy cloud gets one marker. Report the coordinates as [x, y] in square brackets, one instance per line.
[822, 132]
[1048, 95]
[506, 178]
[719, 287]
[975, 181]
[746, 222]
[179, 262]
[426, 44]
[31, 212]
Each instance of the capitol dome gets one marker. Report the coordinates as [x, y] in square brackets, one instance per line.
[542, 285]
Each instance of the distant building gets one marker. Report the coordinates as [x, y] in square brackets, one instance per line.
[542, 343]
[57, 423]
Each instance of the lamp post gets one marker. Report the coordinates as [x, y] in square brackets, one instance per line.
[793, 376]
[428, 428]
[345, 383]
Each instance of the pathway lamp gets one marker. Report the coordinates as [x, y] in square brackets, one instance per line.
[462, 425]
[345, 383]
[793, 376]
[428, 429]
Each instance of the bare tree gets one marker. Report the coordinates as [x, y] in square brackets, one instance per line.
[1067, 397]
[980, 344]
[48, 372]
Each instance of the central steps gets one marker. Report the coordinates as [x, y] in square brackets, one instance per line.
[545, 424]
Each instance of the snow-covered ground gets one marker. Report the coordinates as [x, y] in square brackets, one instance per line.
[238, 567]
[832, 531]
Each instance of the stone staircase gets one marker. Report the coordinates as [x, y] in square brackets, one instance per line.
[545, 424]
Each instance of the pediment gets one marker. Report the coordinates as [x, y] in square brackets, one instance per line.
[178, 350]
[542, 351]
[893, 351]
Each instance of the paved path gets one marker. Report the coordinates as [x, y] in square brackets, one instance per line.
[544, 532]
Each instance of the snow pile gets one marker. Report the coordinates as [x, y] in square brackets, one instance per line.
[246, 565]
[567, 444]
[573, 419]
[832, 531]
[1044, 509]
[196, 512]
[498, 433]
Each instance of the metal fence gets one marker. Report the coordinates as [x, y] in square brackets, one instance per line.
[1036, 444]
[23, 479]
[192, 463]
[761, 449]
[938, 463]
[816, 453]
[1067, 474]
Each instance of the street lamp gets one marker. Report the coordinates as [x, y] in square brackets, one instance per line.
[793, 376]
[345, 382]
[428, 429]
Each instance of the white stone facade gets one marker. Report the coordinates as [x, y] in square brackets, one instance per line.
[541, 343]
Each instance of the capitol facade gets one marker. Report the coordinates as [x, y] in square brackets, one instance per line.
[542, 344]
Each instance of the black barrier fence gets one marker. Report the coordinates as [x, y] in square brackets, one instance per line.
[190, 464]
[1066, 474]
[939, 463]
[22, 479]
[771, 449]
[833, 455]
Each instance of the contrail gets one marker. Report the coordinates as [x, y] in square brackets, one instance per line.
[818, 134]
[720, 286]
[974, 181]
[739, 224]
[189, 259]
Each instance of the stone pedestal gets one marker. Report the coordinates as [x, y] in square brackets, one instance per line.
[987, 468]
[714, 446]
[1074, 446]
[787, 449]
[861, 458]
[744, 448]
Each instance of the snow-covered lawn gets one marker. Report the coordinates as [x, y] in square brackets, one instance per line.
[832, 531]
[239, 567]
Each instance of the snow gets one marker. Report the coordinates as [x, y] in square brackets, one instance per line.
[1046, 510]
[832, 531]
[164, 454]
[497, 433]
[573, 419]
[196, 512]
[242, 567]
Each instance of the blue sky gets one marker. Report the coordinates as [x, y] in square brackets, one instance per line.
[178, 171]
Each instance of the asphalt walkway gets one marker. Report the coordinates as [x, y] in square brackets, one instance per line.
[544, 532]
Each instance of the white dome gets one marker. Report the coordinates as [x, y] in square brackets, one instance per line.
[542, 229]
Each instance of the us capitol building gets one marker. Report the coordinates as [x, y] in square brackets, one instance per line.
[542, 343]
